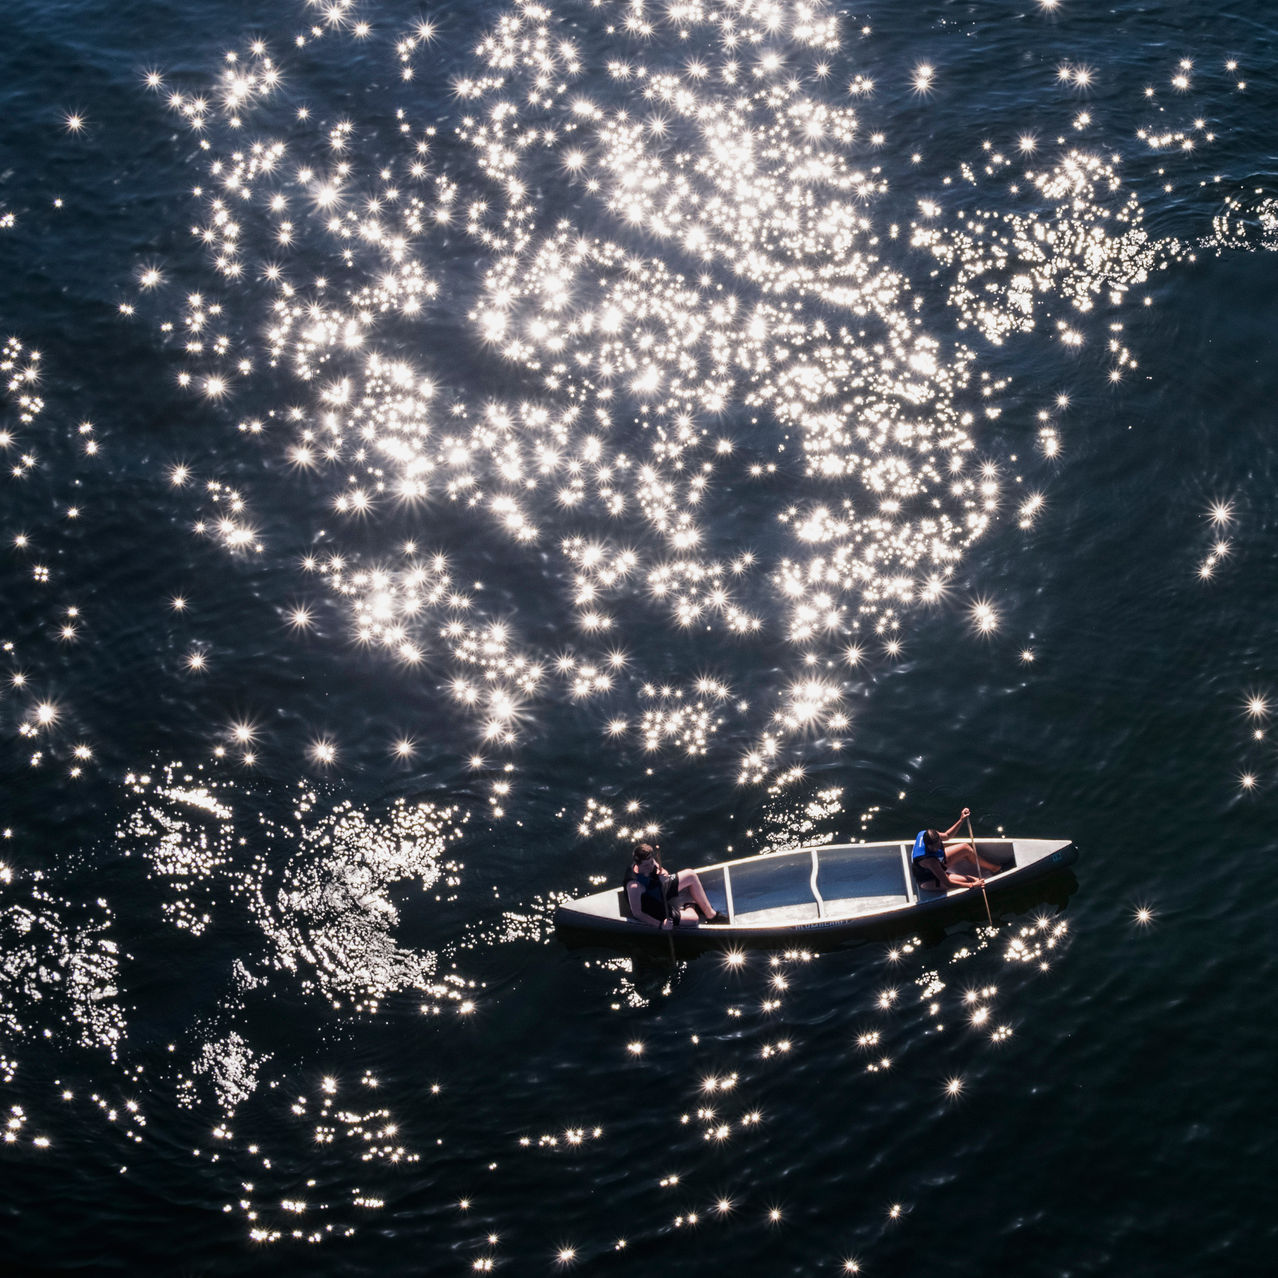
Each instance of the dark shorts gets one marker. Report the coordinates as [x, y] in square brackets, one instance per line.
[925, 876]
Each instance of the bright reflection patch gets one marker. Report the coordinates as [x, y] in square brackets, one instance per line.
[696, 287]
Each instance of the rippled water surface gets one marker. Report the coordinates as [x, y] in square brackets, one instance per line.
[443, 444]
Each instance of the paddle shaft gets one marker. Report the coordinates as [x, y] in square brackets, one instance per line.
[674, 962]
[984, 896]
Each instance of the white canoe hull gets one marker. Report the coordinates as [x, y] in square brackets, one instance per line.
[825, 891]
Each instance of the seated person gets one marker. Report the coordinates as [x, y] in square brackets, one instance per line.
[935, 867]
[666, 900]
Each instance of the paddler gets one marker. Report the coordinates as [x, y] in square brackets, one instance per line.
[666, 900]
[938, 868]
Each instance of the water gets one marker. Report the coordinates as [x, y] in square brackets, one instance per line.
[686, 429]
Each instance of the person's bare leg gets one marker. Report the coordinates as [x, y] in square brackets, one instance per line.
[688, 882]
[963, 860]
[965, 851]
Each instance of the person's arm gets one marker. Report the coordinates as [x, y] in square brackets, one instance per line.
[633, 895]
[967, 812]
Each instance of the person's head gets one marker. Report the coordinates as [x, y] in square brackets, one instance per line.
[933, 842]
[646, 851]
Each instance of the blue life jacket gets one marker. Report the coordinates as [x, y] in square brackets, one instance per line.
[921, 849]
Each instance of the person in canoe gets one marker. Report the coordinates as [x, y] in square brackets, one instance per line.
[937, 868]
[666, 900]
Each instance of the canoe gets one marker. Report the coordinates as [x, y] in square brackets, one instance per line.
[823, 892]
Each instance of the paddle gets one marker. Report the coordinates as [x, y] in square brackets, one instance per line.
[665, 900]
[971, 838]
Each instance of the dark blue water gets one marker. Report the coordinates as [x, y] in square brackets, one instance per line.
[718, 426]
